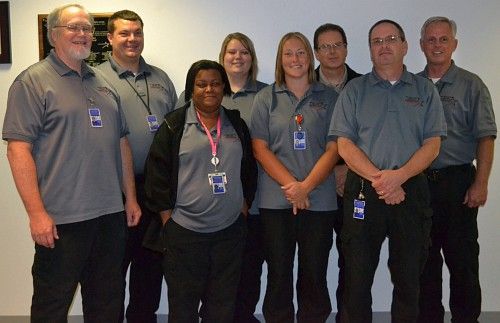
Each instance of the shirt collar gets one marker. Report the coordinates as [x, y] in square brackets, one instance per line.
[324, 80]
[406, 77]
[62, 69]
[191, 117]
[315, 87]
[450, 74]
[122, 72]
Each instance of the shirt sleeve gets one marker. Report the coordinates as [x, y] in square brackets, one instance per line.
[483, 123]
[343, 122]
[24, 117]
[259, 124]
[435, 122]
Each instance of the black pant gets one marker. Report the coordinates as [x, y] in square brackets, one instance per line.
[312, 231]
[407, 225]
[337, 226]
[251, 271]
[454, 231]
[203, 266]
[90, 253]
[146, 273]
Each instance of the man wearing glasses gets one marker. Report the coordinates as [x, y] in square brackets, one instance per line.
[457, 187]
[70, 160]
[146, 95]
[388, 125]
[330, 49]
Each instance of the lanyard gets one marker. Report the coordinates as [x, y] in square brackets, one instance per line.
[140, 97]
[213, 144]
[299, 119]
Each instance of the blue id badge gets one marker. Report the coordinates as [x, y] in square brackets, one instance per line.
[299, 140]
[359, 209]
[95, 118]
[152, 123]
[218, 182]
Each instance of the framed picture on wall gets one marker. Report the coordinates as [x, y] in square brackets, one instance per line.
[101, 49]
[5, 52]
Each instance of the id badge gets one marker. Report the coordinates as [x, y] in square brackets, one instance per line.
[218, 182]
[299, 140]
[152, 122]
[359, 209]
[95, 118]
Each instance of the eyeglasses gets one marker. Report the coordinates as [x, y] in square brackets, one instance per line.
[389, 40]
[329, 47]
[441, 40]
[74, 28]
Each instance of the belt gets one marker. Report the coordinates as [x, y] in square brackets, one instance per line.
[437, 174]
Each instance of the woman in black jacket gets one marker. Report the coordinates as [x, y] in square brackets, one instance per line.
[201, 179]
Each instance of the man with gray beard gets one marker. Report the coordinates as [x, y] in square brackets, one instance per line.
[70, 161]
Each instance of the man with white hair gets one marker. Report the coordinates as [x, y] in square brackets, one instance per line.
[70, 160]
[457, 187]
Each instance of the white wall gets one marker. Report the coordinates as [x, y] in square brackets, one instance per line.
[183, 31]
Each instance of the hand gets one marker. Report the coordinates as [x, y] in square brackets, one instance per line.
[165, 216]
[133, 212]
[43, 229]
[340, 176]
[244, 209]
[395, 197]
[297, 195]
[476, 195]
[295, 192]
[300, 206]
[387, 182]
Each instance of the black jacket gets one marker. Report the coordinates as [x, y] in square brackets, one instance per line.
[162, 168]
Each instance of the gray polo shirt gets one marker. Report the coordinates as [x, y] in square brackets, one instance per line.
[242, 101]
[78, 166]
[196, 207]
[131, 88]
[469, 114]
[389, 123]
[273, 121]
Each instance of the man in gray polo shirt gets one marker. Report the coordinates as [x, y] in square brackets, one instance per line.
[457, 187]
[70, 160]
[388, 125]
[146, 94]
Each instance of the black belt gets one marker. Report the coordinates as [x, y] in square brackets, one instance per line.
[435, 175]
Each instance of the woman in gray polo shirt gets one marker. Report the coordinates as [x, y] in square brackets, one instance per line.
[296, 189]
[200, 178]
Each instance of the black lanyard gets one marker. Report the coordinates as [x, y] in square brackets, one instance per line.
[140, 97]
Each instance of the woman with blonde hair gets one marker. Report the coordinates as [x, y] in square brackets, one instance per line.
[289, 126]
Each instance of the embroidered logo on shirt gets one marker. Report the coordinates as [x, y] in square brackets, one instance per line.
[448, 100]
[317, 105]
[414, 102]
[104, 89]
[157, 86]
